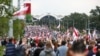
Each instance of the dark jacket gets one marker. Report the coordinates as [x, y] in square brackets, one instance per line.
[90, 53]
[37, 51]
[20, 50]
[98, 54]
[10, 50]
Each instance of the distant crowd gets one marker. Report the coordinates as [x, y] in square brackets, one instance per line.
[58, 44]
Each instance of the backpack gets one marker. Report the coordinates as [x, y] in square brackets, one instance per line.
[48, 53]
[32, 51]
[37, 51]
[20, 51]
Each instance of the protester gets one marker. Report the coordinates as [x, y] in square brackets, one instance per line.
[48, 50]
[98, 51]
[62, 49]
[78, 48]
[4, 42]
[90, 51]
[41, 41]
[39, 49]
[10, 48]
[32, 49]
[21, 49]
[93, 44]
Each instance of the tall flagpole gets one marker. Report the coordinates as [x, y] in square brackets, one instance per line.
[18, 4]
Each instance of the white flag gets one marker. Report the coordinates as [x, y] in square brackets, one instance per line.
[58, 26]
[75, 33]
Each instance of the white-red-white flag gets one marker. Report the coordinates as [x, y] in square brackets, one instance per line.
[68, 33]
[22, 11]
[20, 14]
[94, 34]
[25, 10]
[89, 34]
[75, 33]
[58, 26]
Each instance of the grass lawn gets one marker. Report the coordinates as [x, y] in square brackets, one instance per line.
[1, 50]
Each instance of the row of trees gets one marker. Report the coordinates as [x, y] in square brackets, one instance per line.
[6, 13]
[78, 20]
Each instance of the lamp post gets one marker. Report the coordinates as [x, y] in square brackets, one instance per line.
[59, 18]
[18, 4]
[73, 23]
[89, 23]
[48, 17]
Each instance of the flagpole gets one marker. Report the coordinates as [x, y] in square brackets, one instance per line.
[18, 4]
[59, 18]
[88, 25]
[49, 20]
[59, 24]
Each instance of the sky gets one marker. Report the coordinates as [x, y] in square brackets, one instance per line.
[61, 7]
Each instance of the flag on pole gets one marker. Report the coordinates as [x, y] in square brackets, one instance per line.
[75, 33]
[68, 33]
[20, 14]
[89, 34]
[58, 26]
[24, 11]
[94, 34]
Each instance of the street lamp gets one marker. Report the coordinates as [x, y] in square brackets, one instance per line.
[59, 17]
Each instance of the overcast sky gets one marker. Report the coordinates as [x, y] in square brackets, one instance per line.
[61, 7]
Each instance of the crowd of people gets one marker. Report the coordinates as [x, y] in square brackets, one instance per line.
[59, 45]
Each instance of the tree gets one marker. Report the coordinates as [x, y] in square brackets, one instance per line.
[3, 26]
[18, 28]
[77, 20]
[95, 18]
[5, 15]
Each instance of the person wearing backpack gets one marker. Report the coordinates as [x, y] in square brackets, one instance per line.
[32, 49]
[48, 50]
[22, 47]
[39, 49]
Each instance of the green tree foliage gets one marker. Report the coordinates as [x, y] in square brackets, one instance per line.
[3, 26]
[18, 28]
[6, 8]
[77, 20]
[6, 11]
[95, 18]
